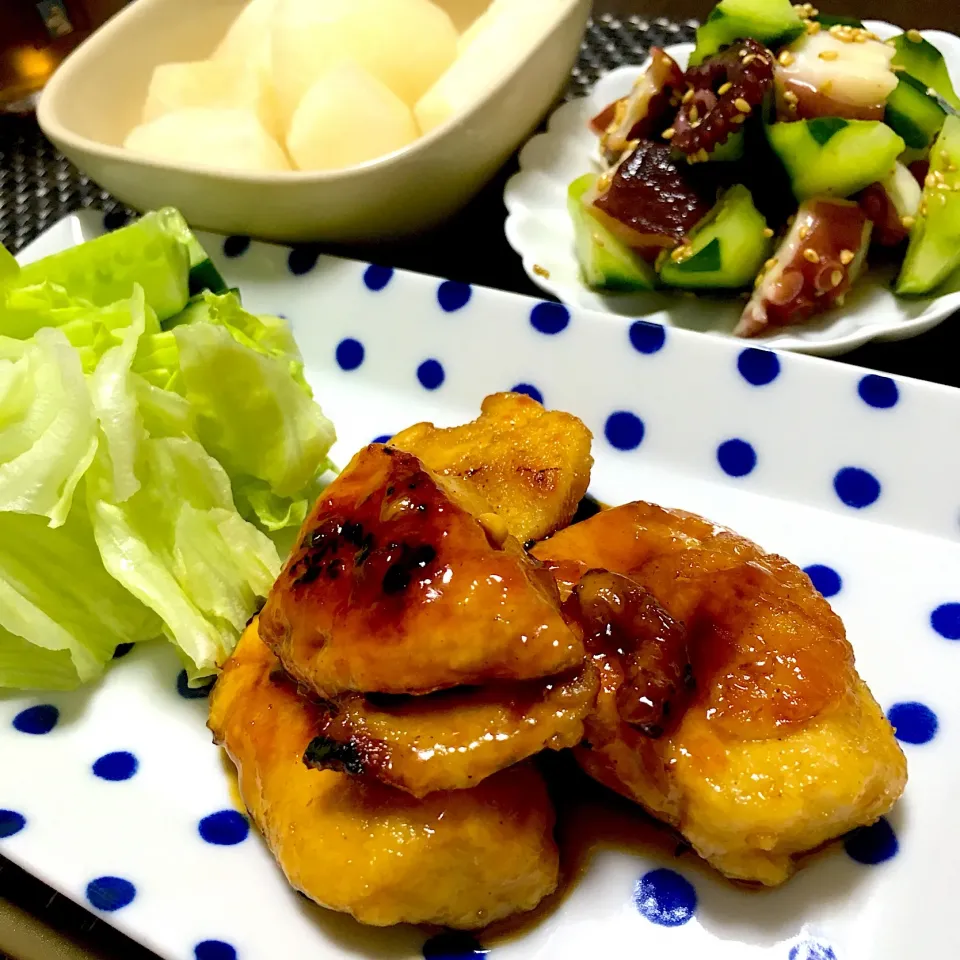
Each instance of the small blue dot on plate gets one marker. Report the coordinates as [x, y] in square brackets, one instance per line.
[110, 893]
[37, 720]
[825, 579]
[349, 354]
[665, 897]
[946, 620]
[121, 650]
[647, 337]
[529, 389]
[913, 722]
[114, 220]
[624, 430]
[11, 822]
[812, 950]
[302, 260]
[856, 487]
[549, 317]
[375, 277]
[453, 946]
[430, 374]
[225, 828]
[736, 457]
[877, 391]
[214, 950]
[383, 438]
[116, 766]
[757, 366]
[453, 296]
[872, 845]
[192, 693]
[236, 246]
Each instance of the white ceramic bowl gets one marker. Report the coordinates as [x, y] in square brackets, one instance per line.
[95, 97]
[539, 229]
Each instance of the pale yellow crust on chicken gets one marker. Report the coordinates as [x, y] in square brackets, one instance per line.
[460, 859]
[532, 465]
[781, 746]
[404, 582]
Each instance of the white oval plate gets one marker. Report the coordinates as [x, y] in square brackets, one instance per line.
[663, 406]
[539, 229]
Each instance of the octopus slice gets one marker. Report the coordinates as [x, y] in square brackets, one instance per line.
[644, 112]
[722, 92]
[779, 747]
[648, 200]
[829, 74]
[812, 269]
[461, 858]
[454, 739]
[531, 465]
[892, 206]
[406, 582]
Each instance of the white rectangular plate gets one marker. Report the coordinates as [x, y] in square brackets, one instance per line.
[680, 399]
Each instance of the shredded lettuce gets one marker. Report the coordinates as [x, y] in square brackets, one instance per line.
[147, 472]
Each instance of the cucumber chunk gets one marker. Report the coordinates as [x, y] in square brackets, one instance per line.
[606, 262]
[828, 155]
[770, 22]
[913, 114]
[105, 269]
[827, 21]
[934, 249]
[727, 247]
[922, 60]
[203, 274]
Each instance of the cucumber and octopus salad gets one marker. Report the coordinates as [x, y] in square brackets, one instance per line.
[793, 144]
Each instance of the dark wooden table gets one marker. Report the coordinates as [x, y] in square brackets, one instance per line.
[452, 252]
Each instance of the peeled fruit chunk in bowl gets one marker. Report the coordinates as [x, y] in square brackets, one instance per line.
[347, 117]
[248, 40]
[406, 44]
[209, 83]
[209, 137]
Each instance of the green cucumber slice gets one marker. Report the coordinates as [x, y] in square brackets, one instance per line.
[728, 246]
[606, 262]
[203, 274]
[771, 22]
[934, 249]
[921, 59]
[832, 156]
[913, 114]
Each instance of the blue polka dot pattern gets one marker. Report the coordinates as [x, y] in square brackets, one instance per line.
[383, 438]
[624, 430]
[872, 845]
[946, 620]
[11, 822]
[225, 828]
[302, 260]
[37, 720]
[529, 389]
[758, 367]
[453, 296]
[192, 693]
[430, 374]
[116, 766]
[549, 318]
[812, 950]
[877, 391]
[647, 337]
[214, 950]
[913, 722]
[114, 220]
[856, 487]
[121, 650]
[736, 457]
[375, 277]
[110, 893]
[349, 354]
[825, 579]
[236, 246]
[665, 897]
[452, 946]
